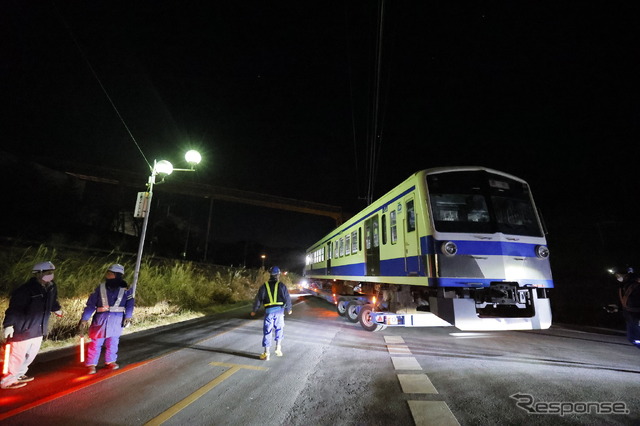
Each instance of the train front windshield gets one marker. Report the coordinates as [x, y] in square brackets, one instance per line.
[481, 202]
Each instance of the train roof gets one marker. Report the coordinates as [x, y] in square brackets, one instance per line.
[436, 170]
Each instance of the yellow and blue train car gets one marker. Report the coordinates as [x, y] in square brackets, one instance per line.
[463, 245]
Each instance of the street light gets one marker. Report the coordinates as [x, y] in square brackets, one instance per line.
[143, 204]
[263, 257]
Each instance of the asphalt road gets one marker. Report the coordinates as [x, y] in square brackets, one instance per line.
[207, 372]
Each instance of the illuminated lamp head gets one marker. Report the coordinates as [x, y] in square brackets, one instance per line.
[193, 157]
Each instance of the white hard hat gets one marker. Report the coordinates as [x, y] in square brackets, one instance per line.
[43, 266]
[117, 268]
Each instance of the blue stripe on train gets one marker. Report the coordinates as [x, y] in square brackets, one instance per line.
[388, 268]
[484, 282]
[396, 268]
[429, 245]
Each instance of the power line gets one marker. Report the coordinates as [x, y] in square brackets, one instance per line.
[376, 136]
[351, 103]
[95, 75]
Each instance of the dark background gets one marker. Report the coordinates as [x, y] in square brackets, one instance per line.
[289, 99]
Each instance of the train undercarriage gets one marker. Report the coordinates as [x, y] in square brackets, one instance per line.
[376, 306]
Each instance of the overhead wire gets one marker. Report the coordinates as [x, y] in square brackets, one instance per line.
[375, 142]
[351, 103]
[95, 75]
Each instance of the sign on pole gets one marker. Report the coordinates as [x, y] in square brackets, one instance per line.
[142, 204]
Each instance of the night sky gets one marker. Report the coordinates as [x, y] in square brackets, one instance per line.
[279, 95]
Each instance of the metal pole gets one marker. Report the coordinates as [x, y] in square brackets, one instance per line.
[143, 233]
[206, 243]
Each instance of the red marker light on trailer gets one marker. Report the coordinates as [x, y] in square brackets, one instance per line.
[7, 352]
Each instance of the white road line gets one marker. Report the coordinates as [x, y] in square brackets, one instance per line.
[428, 413]
[405, 363]
[398, 349]
[425, 413]
[471, 335]
[393, 339]
[416, 383]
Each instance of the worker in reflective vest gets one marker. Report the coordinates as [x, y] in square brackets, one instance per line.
[275, 298]
[112, 302]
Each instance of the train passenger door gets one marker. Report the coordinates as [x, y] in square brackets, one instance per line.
[328, 257]
[410, 230]
[372, 245]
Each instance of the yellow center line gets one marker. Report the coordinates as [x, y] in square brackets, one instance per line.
[246, 367]
[176, 408]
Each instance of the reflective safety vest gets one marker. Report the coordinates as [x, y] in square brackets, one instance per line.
[105, 302]
[273, 297]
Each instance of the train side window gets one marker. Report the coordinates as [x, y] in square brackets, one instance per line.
[354, 242]
[347, 244]
[394, 226]
[376, 232]
[335, 249]
[384, 229]
[329, 251]
[411, 216]
[367, 235]
[341, 247]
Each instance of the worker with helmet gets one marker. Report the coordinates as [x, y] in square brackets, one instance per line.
[26, 321]
[629, 294]
[112, 302]
[275, 298]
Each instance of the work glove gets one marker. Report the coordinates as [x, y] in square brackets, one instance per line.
[83, 327]
[126, 322]
[59, 314]
[8, 332]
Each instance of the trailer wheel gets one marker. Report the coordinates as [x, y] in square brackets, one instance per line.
[353, 308]
[364, 317]
[341, 307]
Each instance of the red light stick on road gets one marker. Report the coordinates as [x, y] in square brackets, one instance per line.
[81, 348]
[7, 352]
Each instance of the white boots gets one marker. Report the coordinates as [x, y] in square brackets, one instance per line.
[265, 355]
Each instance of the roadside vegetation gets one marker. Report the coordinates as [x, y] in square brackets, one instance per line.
[168, 291]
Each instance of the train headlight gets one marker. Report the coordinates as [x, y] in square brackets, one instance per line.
[449, 248]
[542, 252]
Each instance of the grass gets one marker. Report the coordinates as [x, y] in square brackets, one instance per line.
[168, 291]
